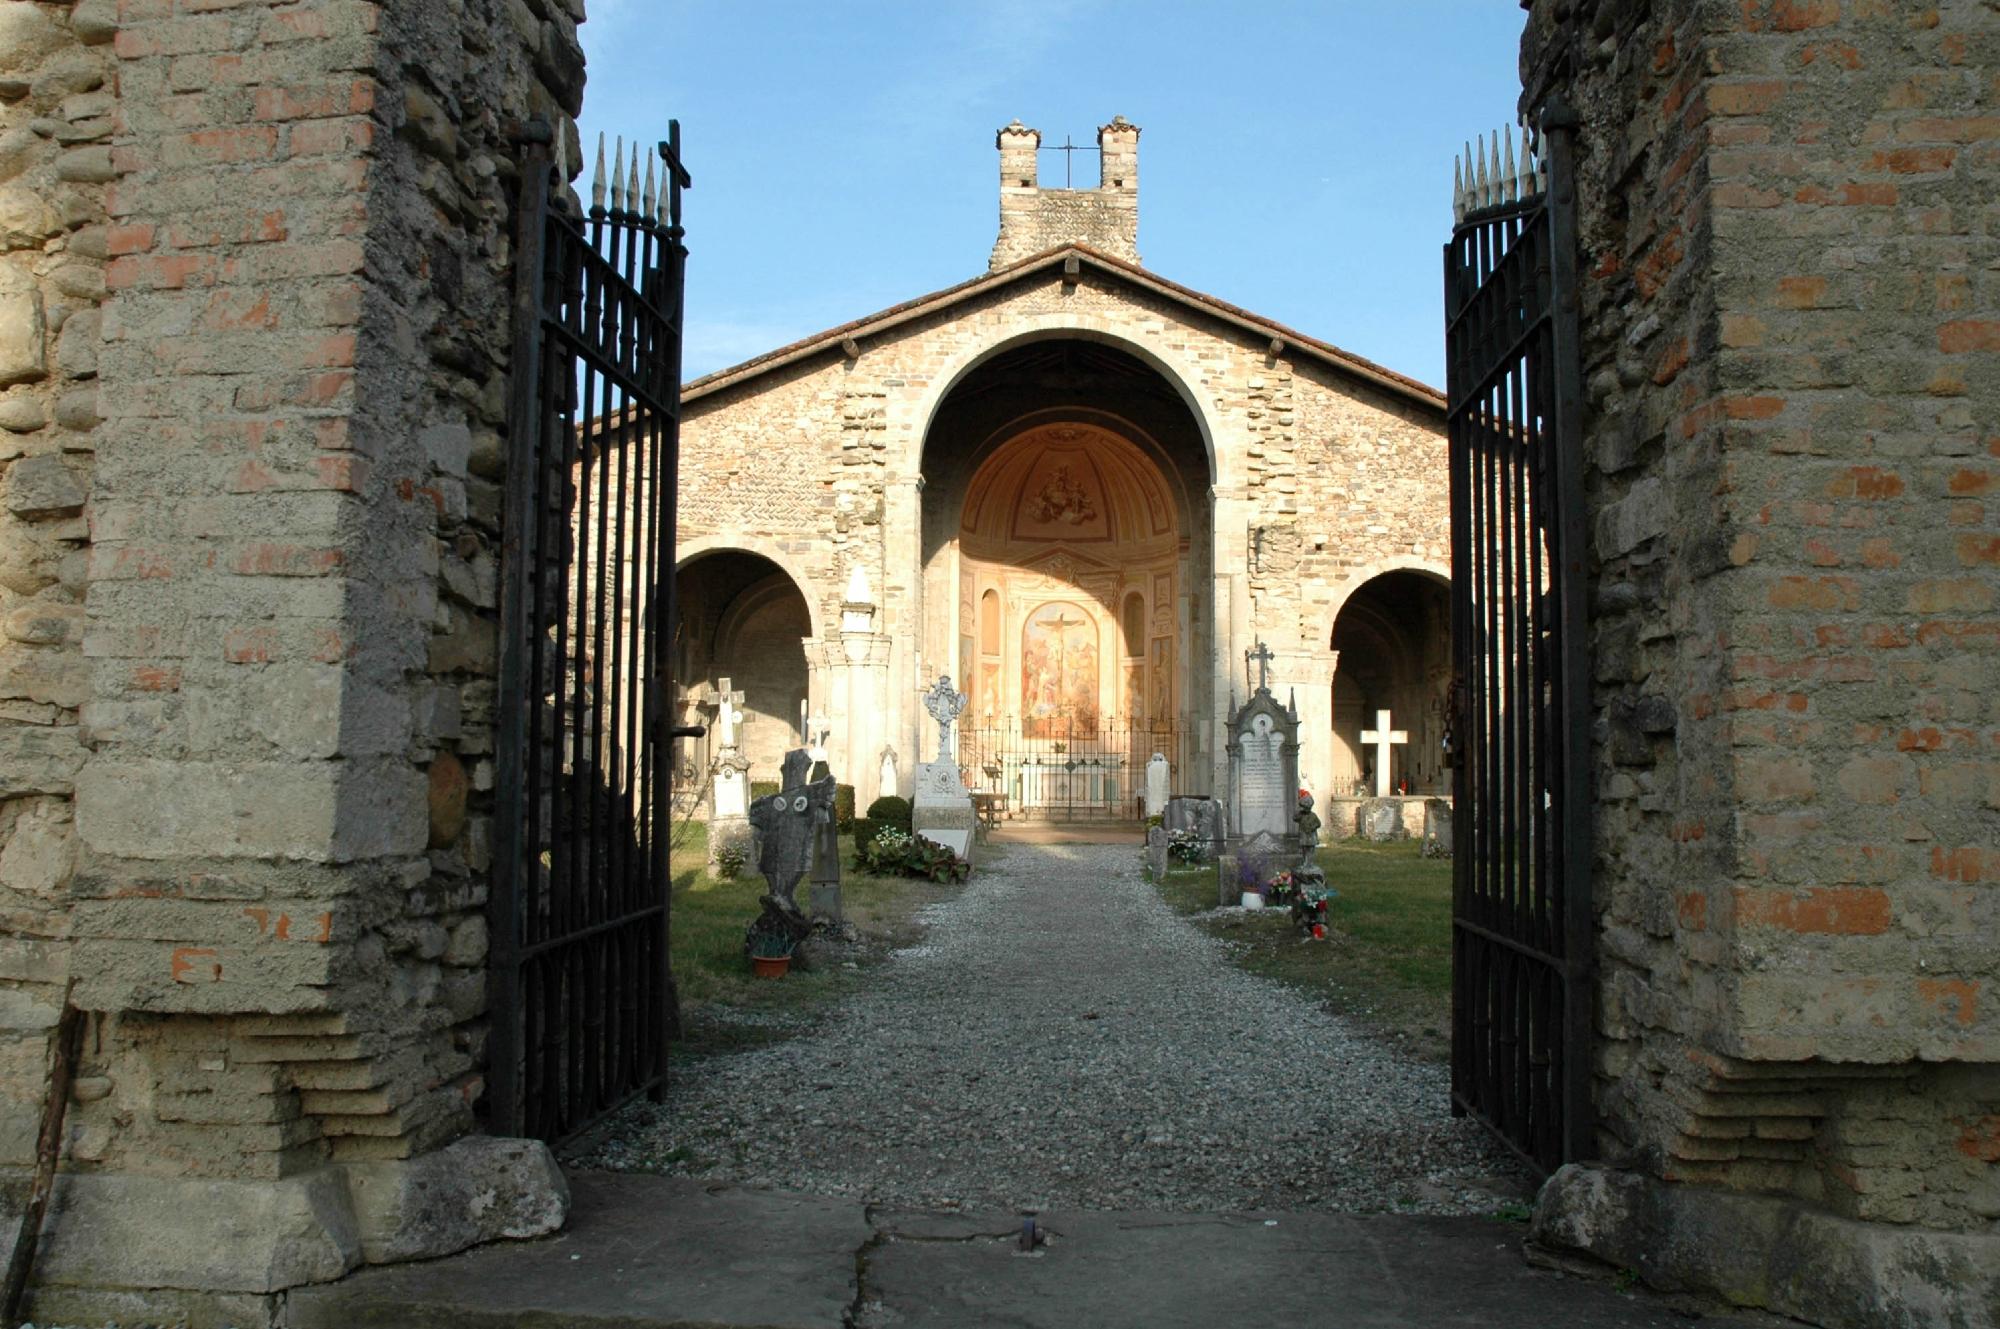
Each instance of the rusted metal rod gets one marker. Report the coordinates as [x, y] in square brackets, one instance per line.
[48, 1150]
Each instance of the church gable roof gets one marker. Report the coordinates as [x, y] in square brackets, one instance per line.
[1346, 362]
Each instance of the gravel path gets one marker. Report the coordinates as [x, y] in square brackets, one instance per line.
[1062, 1039]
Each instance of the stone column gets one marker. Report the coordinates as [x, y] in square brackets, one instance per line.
[902, 616]
[1308, 676]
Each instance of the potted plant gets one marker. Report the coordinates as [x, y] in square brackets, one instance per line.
[770, 955]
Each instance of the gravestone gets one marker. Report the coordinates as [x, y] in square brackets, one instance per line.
[1157, 774]
[1437, 828]
[889, 784]
[728, 778]
[1263, 783]
[1156, 852]
[1382, 819]
[825, 878]
[942, 810]
[783, 824]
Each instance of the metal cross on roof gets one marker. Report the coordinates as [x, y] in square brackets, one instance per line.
[1068, 149]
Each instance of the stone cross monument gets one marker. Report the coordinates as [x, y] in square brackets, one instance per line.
[945, 703]
[942, 809]
[1383, 738]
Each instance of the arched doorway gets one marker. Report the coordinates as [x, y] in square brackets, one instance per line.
[1066, 545]
[1392, 644]
[743, 620]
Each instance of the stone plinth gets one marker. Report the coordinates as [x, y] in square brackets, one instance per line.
[942, 810]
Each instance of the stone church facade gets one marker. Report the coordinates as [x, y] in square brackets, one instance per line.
[1085, 493]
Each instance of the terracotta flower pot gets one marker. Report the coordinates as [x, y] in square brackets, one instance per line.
[770, 966]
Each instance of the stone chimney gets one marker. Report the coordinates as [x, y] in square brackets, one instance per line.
[1033, 219]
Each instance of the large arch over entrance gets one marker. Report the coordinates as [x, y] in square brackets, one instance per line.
[1065, 553]
[745, 619]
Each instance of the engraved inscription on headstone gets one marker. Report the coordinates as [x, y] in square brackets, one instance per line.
[1264, 790]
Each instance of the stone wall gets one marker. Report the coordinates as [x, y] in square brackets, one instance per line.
[1790, 331]
[301, 214]
[56, 123]
[1320, 479]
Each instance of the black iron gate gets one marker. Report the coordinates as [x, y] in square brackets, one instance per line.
[582, 997]
[1521, 941]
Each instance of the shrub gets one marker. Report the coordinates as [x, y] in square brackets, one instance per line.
[729, 861]
[865, 831]
[891, 809]
[897, 853]
[843, 808]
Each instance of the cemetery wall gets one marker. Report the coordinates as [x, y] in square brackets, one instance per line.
[260, 592]
[1790, 334]
[1319, 481]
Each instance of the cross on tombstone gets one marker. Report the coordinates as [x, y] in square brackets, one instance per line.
[1383, 737]
[1261, 657]
[728, 718]
[944, 702]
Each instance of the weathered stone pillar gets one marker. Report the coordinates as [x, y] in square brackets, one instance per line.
[903, 607]
[298, 217]
[1307, 675]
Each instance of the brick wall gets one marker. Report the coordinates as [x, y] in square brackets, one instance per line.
[1792, 358]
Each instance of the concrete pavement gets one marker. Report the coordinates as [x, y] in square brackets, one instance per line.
[652, 1253]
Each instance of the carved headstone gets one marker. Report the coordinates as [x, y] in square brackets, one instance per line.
[1156, 851]
[1157, 775]
[1437, 828]
[1382, 819]
[826, 896]
[1263, 784]
[784, 823]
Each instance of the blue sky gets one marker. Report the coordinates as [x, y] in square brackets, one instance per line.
[1295, 158]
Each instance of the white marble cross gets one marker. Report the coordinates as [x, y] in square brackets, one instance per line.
[727, 718]
[1382, 736]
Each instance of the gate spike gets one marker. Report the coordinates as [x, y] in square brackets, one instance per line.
[562, 158]
[1541, 168]
[1457, 191]
[1499, 184]
[618, 174]
[1481, 196]
[632, 181]
[647, 200]
[597, 178]
[1513, 176]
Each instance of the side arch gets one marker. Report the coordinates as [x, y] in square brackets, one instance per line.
[689, 551]
[1361, 576]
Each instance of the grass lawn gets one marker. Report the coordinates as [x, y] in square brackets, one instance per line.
[722, 1005]
[1387, 962]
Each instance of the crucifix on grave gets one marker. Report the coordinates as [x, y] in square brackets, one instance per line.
[728, 719]
[1384, 739]
[1260, 658]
